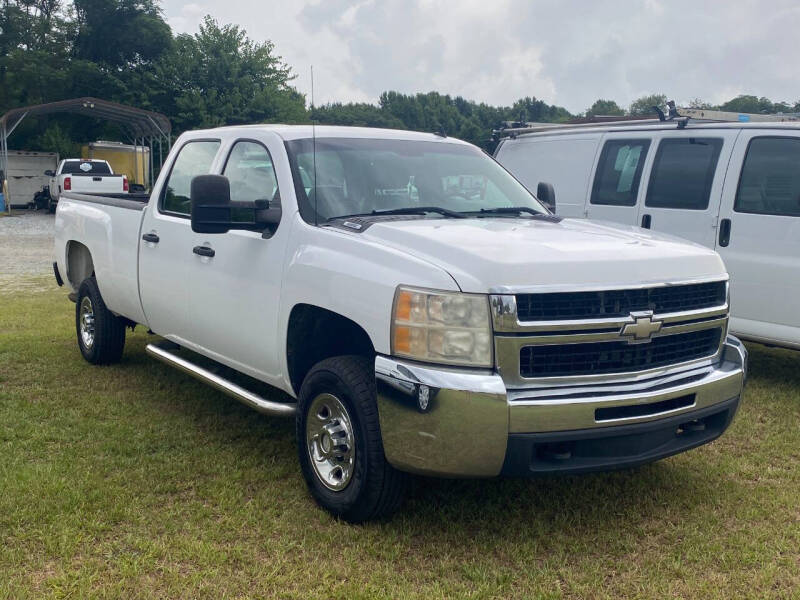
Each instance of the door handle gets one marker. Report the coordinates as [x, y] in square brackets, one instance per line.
[646, 221]
[204, 251]
[150, 237]
[724, 232]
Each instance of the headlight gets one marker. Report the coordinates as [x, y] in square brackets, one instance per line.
[442, 327]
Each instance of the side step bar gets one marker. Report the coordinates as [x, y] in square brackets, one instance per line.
[254, 401]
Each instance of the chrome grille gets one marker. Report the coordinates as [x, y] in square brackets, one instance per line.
[606, 337]
[619, 303]
[600, 358]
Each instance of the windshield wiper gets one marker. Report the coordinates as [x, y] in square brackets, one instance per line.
[510, 210]
[408, 210]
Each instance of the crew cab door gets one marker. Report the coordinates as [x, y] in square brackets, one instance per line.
[684, 182]
[165, 244]
[617, 181]
[234, 285]
[759, 235]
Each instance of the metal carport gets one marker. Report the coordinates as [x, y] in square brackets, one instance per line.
[143, 127]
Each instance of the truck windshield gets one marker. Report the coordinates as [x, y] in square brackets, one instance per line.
[85, 167]
[359, 176]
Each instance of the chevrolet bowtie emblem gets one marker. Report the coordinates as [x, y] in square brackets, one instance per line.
[642, 328]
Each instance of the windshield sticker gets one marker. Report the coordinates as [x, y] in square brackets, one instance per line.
[85, 167]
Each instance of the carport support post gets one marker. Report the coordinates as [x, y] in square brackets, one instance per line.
[135, 159]
[4, 185]
[150, 174]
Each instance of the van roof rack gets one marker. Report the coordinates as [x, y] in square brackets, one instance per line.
[680, 116]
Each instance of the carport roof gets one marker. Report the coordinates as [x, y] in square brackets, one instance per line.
[142, 123]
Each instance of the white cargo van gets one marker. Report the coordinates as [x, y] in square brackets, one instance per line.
[734, 187]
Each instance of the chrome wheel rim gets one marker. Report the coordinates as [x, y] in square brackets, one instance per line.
[86, 322]
[330, 443]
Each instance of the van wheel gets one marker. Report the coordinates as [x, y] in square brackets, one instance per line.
[101, 334]
[339, 442]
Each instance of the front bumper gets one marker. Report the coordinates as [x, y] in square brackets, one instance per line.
[464, 423]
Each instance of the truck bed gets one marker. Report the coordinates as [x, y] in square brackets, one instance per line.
[94, 221]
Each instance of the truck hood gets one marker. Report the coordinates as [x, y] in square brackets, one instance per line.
[489, 254]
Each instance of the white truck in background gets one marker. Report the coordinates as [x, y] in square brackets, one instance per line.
[84, 176]
[425, 310]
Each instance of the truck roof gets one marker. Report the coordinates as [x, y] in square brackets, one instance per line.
[295, 132]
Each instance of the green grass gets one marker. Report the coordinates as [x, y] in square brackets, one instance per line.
[135, 481]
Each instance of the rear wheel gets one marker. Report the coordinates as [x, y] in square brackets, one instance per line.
[101, 334]
[339, 442]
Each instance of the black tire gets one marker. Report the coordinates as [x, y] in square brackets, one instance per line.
[107, 330]
[375, 489]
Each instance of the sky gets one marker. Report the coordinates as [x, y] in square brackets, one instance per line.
[566, 52]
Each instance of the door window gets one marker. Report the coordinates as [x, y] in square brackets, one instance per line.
[618, 172]
[682, 174]
[251, 175]
[250, 172]
[770, 179]
[193, 159]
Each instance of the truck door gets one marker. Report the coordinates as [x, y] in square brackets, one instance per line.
[684, 183]
[165, 247]
[759, 235]
[235, 293]
[615, 190]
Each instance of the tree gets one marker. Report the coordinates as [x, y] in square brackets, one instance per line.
[120, 33]
[604, 108]
[355, 114]
[219, 76]
[754, 104]
[645, 104]
[698, 103]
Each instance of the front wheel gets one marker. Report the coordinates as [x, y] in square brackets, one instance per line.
[101, 334]
[339, 442]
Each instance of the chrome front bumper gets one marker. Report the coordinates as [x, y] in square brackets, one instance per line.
[456, 422]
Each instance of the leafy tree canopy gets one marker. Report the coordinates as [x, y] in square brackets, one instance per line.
[604, 108]
[645, 104]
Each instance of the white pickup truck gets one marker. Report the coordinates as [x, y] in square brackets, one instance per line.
[426, 312]
[85, 177]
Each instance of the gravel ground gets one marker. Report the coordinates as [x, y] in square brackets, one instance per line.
[26, 250]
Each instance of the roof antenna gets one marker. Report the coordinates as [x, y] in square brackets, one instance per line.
[440, 132]
[314, 148]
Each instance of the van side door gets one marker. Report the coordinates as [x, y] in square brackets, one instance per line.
[759, 235]
[616, 184]
[565, 161]
[684, 182]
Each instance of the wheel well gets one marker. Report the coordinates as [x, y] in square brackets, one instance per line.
[79, 263]
[315, 334]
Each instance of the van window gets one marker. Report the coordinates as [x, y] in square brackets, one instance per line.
[193, 159]
[770, 179]
[619, 170]
[683, 172]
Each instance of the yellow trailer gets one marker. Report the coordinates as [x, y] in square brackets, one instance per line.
[133, 161]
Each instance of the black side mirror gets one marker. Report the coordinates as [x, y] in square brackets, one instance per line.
[211, 204]
[213, 210]
[50, 173]
[547, 195]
